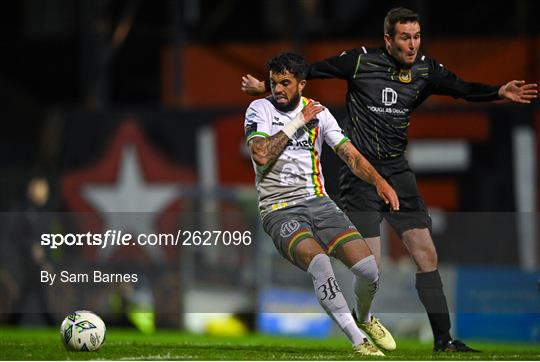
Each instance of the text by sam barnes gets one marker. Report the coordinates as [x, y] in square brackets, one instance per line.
[95, 276]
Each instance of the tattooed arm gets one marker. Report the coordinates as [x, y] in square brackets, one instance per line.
[364, 170]
[265, 151]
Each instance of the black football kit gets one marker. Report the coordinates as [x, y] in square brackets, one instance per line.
[380, 98]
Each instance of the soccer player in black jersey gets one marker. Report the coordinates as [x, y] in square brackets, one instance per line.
[384, 86]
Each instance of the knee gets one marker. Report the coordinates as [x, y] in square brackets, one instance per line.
[306, 252]
[317, 263]
[366, 269]
[426, 259]
[421, 248]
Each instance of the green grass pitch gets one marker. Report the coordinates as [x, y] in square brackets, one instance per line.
[124, 344]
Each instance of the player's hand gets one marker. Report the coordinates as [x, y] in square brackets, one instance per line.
[387, 193]
[252, 86]
[311, 110]
[519, 92]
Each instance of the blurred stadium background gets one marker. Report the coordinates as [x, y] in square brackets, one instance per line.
[132, 111]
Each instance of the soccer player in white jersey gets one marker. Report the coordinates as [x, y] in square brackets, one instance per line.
[285, 133]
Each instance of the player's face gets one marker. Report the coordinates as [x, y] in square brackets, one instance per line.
[286, 90]
[405, 44]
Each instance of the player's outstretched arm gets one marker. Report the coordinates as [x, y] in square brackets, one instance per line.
[519, 92]
[342, 66]
[264, 151]
[447, 83]
[252, 86]
[364, 170]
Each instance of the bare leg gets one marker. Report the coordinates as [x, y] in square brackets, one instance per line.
[375, 247]
[305, 251]
[352, 252]
[421, 248]
[428, 282]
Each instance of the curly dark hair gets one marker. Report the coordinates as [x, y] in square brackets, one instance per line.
[291, 62]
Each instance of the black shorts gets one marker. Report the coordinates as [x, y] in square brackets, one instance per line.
[366, 209]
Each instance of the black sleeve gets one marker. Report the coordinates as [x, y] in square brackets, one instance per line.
[341, 67]
[447, 83]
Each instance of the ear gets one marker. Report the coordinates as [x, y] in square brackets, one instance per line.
[387, 40]
[301, 85]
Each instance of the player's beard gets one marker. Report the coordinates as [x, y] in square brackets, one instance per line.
[293, 103]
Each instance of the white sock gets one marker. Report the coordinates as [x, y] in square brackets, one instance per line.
[365, 285]
[331, 299]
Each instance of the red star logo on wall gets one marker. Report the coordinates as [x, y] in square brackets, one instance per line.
[131, 189]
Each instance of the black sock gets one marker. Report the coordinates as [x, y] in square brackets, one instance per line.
[430, 291]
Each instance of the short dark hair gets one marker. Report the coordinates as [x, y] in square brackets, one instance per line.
[398, 15]
[291, 62]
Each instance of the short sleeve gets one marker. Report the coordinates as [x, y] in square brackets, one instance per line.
[332, 132]
[256, 123]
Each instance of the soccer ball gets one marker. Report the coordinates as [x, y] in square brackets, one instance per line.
[82, 331]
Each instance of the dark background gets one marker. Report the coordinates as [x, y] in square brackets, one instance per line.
[50, 49]
[69, 75]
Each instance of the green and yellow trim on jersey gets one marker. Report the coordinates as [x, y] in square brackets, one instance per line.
[296, 238]
[256, 134]
[342, 239]
[279, 205]
[336, 147]
[315, 163]
[314, 155]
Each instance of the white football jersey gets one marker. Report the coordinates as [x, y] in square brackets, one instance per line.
[296, 175]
